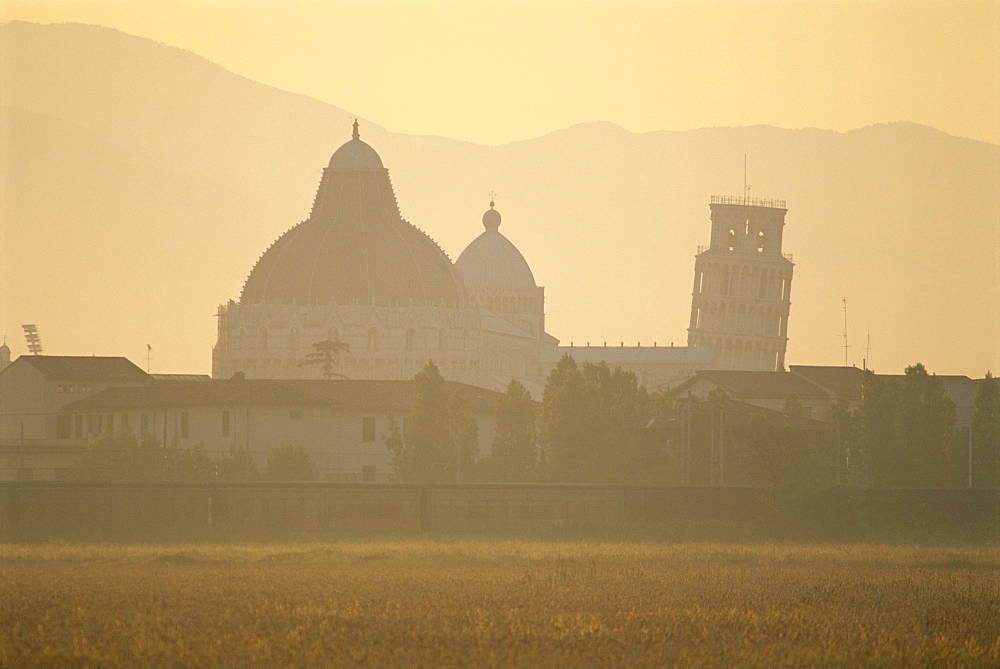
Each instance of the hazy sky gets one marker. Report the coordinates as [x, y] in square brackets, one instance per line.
[493, 72]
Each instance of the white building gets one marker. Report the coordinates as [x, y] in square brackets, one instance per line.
[356, 272]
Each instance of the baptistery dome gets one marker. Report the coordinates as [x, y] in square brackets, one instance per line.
[354, 248]
[492, 261]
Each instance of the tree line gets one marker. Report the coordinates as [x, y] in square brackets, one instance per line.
[588, 429]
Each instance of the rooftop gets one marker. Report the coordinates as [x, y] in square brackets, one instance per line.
[85, 368]
[757, 384]
[344, 395]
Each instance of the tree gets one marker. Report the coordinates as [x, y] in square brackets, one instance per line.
[236, 466]
[925, 421]
[514, 458]
[793, 407]
[586, 422]
[325, 353]
[843, 433]
[907, 430]
[778, 455]
[193, 465]
[986, 435]
[122, 456]
[463, 433]
[439, 440]
[564, 422]
[289, 463]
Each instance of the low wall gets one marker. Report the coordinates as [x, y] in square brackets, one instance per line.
[133, 512]
[81, 511]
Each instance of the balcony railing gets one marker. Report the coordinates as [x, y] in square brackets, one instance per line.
[748, 201]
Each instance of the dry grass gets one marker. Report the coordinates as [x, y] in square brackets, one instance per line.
[507, 603]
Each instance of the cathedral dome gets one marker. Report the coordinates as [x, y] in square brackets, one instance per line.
[492, 261]
[354, 248]
[355, 155]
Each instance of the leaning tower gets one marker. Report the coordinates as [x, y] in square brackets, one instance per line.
[742, 286]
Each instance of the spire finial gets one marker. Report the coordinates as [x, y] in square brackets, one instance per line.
[493, 196]
[356, 135]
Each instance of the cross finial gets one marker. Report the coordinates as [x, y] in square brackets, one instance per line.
[493, 196]
[356, 135]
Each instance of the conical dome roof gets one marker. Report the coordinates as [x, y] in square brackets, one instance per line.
[354, 248]
[492, 261]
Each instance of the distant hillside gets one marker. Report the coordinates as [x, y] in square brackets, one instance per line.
[140, 182]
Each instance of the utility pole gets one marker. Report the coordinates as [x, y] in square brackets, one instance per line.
[844, 300]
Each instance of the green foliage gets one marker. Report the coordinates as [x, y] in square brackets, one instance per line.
[122, 457]
[236, 466]
[907, 430]
[586, 423]
[779, 455]
[793, 407]
[325, 353]
[986, 435]
[192, 465]
[844, 438]
[514, 458]
[440, 440]
[289, 463]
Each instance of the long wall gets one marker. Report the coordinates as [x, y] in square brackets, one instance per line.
[86, 512]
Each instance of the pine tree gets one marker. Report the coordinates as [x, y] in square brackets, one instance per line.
[440, 440]
[565, 423]
[325, 353]
[514, 458]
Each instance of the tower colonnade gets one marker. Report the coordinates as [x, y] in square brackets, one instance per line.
[742, 289]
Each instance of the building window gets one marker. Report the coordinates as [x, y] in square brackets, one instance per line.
[225, 423]
[185, 427]
[368, 430]
[63, 426]
[372, 339]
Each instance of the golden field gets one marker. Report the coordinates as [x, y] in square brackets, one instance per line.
[499, 604]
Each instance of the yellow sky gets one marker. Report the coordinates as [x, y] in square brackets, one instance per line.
[493, 72]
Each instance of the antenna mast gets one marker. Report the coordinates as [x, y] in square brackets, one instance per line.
[844, 300]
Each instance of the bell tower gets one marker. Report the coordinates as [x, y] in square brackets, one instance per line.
[743, 286]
